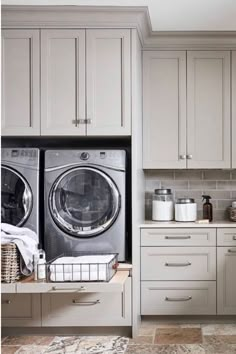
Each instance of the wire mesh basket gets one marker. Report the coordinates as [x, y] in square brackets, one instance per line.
[82, 267]
[10, 263]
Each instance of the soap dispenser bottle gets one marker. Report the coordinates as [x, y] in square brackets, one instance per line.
[207, 208]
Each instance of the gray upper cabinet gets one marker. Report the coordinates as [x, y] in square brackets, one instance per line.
[86, 82]
[20, 82]
[234, 109]
[201, 138]
[208, 109]
[108, 82]
[63, 82]
[164, 95]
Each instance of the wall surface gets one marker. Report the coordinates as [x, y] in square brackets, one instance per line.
[219, 184]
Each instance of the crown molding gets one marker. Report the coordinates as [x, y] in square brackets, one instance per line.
[77, 17]
[191, 40]
[73, 16]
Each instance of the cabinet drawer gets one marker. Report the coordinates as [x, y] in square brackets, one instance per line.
[88, 309]
[171, 263]
[178, 237]
[178, 298]
[226, 237]
[21, 310]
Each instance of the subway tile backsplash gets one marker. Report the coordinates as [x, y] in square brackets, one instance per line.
[219, 184]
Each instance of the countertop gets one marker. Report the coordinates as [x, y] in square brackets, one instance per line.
[174, 224]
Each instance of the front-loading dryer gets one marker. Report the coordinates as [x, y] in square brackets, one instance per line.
[85, 202]
[20, 187]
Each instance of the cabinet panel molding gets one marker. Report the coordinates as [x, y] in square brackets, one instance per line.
[233, 97]
[63, 82]
[226, 284]
[21, 310]
[20, 82]
[164, 109]
[208, 109]
[108, 77]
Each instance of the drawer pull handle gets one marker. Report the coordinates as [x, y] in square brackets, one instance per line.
[178, 264]
[82, 288]
[177, 237]
[187, 298]
[234, 237]
[232, 251]
[6, 302]
[86, 303]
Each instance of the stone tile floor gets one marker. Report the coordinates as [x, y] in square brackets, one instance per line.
[154, 337]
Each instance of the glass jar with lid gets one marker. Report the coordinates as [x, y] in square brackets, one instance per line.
[162, 205]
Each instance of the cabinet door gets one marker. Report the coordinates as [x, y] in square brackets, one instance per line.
[108, 82]
[21, 310]
[208, 109]
[226, 284]
[164, 109]
[63, 82]
[20, 82]
[234, 109]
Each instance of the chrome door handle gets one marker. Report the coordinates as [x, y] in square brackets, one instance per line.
[182, 157]
[232, 251]
[88, 121]
[178, 264]
[85, 303]
[82, 288]
[189, 157]
[187, 298]
[177, 237]
[79, 121]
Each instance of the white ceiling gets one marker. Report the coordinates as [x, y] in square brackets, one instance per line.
[166, 15]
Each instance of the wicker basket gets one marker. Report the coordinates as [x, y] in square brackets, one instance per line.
[232, 213]
[10, 263]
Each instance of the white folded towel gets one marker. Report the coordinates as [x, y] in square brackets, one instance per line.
[78, 276]
[26, 241]
[92, 263]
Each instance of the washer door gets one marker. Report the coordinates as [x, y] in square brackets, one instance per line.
[84, 202]
[16, 197]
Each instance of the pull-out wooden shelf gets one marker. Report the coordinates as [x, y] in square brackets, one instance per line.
[29, 285]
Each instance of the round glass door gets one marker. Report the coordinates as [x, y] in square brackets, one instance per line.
[84, 202]
[16, 197]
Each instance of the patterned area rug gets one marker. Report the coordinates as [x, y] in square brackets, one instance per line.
[88, 344]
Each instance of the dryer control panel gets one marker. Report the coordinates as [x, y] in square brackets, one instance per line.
[21, 156]
[110, 158]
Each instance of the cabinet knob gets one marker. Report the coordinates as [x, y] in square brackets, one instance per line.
[189, 157]
[6, 302]
[182, 157]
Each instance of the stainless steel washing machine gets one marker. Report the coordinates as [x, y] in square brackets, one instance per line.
[85, 201]
[20, 187]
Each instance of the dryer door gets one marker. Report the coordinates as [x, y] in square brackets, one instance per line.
[16, 197]
[84, 201]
